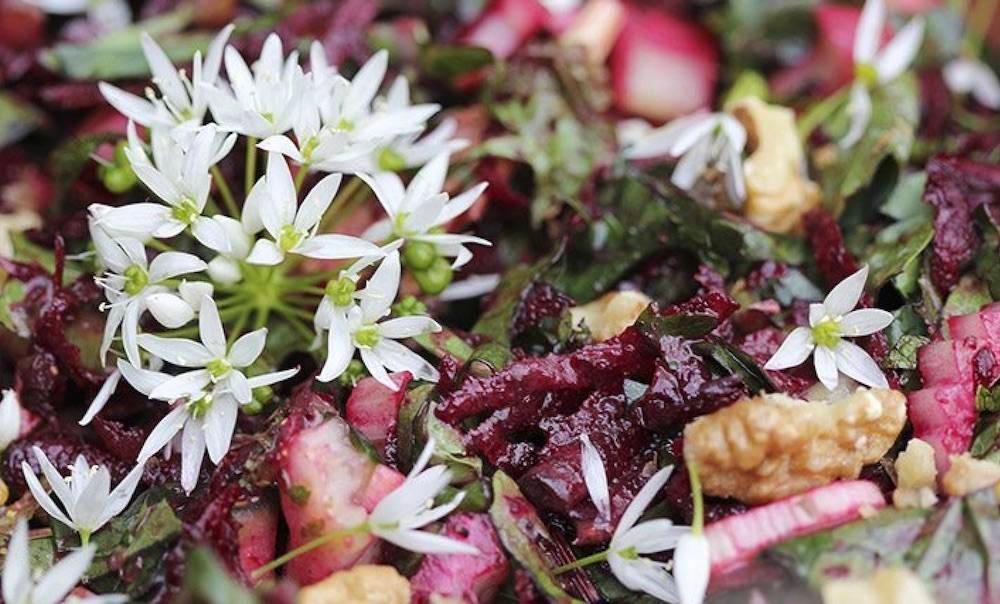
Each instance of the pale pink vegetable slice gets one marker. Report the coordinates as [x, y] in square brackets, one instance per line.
[372, 407]
[737, 539]
[944, 416]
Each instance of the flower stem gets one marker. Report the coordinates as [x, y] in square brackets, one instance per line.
[250, 175]
[698, 521]
[159, 246]
[821, 112]
[241, 321]
[84, 538]
[308, 547]
[300, 176]
[586, 561]
[341, 204]
[226, 192]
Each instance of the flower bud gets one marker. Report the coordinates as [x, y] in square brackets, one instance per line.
[419, 255]
[434, 279]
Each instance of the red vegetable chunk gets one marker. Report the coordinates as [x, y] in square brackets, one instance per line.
[372, 408]
[463, 577]
[944, 416]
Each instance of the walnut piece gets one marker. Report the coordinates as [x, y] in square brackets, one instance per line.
[779, 191]
[773, 446]
[916, 476]
[363, 584]
[886, 586]
[611, 314]
[968, 475]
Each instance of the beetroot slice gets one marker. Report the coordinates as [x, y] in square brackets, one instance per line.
[738, 539]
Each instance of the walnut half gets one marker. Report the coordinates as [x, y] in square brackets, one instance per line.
[773, 446]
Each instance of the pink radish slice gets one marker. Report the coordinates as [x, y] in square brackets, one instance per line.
[257, 535]
[662, 67]
[967, 326]
[937, 364]
[505, 26]
[944, 416]
[463, 577]
[372, 407]
[738, 539]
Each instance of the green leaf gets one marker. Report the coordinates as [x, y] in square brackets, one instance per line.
[680, 326]
[118, 55]
[495, 323]
[966, 298]
[737, 362]
[69, 159]
[906, 202]
[523, 534]
[446, 62]
[17, 119]
[11, 292]
[900, 259]
[904, 354]
[206, 580]
[890, 133]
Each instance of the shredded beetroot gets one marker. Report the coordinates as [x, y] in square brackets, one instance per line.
[539, 302]
[955, 237]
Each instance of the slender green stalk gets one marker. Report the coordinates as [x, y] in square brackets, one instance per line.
[698, 521]
[308, 547]
[300, 176]
[821, 112]
[587, 561]
[250, 175]
[226, 192]
[341, 204]
[160, 246]
[237, 329]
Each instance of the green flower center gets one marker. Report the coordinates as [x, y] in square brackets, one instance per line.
[136, 279]
[218, 368]
[866, 74]
[826, 333]
[309, 148]
[367, 336]
[199, 407]
[186, 211]
[629, 553]
[268, 116]
[289, 237]
[345, 124]
[341, 291]
[389, 160]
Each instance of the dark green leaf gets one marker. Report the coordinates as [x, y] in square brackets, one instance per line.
[900, 259]
[68, 160]
[904, 354]
[448, 62]
[681, 326]
[737, 362]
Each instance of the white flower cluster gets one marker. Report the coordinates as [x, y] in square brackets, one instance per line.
[212, 270]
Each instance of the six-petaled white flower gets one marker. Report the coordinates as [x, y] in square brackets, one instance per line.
[214, 361]
[21, 585]
[10, 418]
[129, 283]
[181, 100]
[829, 323]
[342, 293]
[361, 328]
[178, 175]
[701, 141]
[874, 67]
[969, 76]
[294, 228]
[419, 211]
[86, 493]
[631, 540]
[400, 515]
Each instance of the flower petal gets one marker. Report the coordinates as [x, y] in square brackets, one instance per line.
[100, 399]
[373, 362]
[176, 351]
[407, 327]
[16, 584]
[192, 454]
[220, 422]
[247, 348]
[132, 106]
[168, 265]
[793, 351]
[339, 350]
[845, 296]
[43, 499]
[692, 566]
[652, 536]
[859, 108]
[187, 384]
[825, 363]
[868, 33]
[213, 336]
[164, 432]
[120, 496]
[56, 481]
[424, 542]
[62, 577]
[397, 357]
[170, 310]
[855, 363]
[899, 53]
[317, 201]
[143, 380]
[594, 477]
[336, 247]
[642, 500]
[380, 291]
[864, 322]
[644, 575]
[266, 379]
[266, 253]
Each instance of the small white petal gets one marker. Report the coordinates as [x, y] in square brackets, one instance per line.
[120, 496]
[43, 499]
[16, 583]
[340, 349]
[864, 322]
[143, 380]
[210, 327]
[10, 417]
[220, 422]
[825, 363]
[793, 351]
[645, 575]
[380, 291]
[846, 295]
[859, 109]
[170, 310]
[423, 542]
[397, 357]
[868, 34]
[62, 577]
[373, 362]
[164, 432]
[266, 253]
[176, 351]
[168, 265]
[642, 500]
[317, 201]
[595, 477]
[100, 400]
[692, 566]
[247, 348]
[187, 384]
[192, 454]
[855, 363]
[336, 247]
[897, 56]
[407, 327]
[266, 379]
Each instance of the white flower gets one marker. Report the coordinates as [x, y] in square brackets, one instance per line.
[106, 15]
[692, 567]
[701, 141]
[341, 293]
[631, 540]
[829, 323]
[181, 100]
[102, 397]
[215, 362]
[417, 211]
[398, 517]
[86, 493]
[874, 67]
[10, 418]
[225, 269]
[359, 329]
[21, 586]
[262, 101]
[294, 229]
[130, 283]
[179, 176]
[965, 76]
[206, 421]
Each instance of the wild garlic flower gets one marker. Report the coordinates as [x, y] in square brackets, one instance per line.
[400, 515]
[692, 566]
[874, 67]
[205, 420]
[105, 15]
[181, 99]
[419, 211]
[225, 269]
[294, 228]
[130, 284]
[214, 361]
[179, 176]
[261, 101]
[829, 323]
[10, 418]
[971, 76]
[701, 141]
[342, 293]
[85, 494]
[21, 585]
[631, 540]
[361, 328]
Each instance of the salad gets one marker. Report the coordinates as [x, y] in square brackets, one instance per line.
[493, 301]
